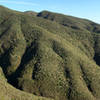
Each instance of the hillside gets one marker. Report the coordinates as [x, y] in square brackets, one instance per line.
[48, 56]
[31, 13]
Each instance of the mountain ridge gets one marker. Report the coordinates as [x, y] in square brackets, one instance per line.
[48, 56]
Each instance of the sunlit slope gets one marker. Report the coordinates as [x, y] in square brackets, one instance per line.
[48, 56]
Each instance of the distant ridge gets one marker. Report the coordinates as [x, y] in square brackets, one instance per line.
[31, 13]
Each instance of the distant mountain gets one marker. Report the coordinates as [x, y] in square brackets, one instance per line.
[48, 56]
[31, 13]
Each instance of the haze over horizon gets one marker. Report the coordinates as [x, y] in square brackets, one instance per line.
[87, 9]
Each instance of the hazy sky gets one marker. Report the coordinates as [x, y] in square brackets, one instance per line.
[89, 9]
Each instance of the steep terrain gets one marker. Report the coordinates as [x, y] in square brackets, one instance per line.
[48, 56]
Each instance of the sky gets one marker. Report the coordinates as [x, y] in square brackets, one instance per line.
[88, 9]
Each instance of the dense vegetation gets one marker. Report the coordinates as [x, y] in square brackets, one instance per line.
[48, 56]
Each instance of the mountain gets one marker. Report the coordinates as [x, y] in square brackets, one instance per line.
[48, 56]
[31, 13]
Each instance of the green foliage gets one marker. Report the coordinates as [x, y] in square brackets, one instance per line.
[48, 56]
